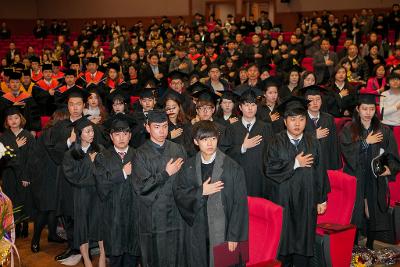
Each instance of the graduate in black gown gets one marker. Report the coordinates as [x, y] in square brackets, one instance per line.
[21, 99]
[299, 183]
[15, 173]
[211, 196]
[79, 169]
[267, 111]
[246, 140]
[155, 167]
[119, 200]
[147, 102]
[227, 112]
[322, 126]
[361, 141]
[44, 184]
[177, 121]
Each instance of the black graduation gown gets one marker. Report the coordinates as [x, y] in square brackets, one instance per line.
[183, 138]
[297, 191]
[357, 162]
[87, 205]
[330, 144]
[263, 114]
[139, 132]
[44, 100]
[15, 170]
[57, 148]
[193, 207]
[119, 203]
[251, 160]
[160, 225]
[336, 105]
[222, 121]
[30, 111]
[44, 174]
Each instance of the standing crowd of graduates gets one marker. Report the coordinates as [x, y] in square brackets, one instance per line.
[163, 180]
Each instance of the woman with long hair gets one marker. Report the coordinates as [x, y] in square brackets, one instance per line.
[94, 108]
[361, 141]
[227, 112]
[267, 111]
[79, 170]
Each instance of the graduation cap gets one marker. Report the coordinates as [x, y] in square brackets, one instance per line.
[206, 95]
[76, 92]
[93, 60]
[70, 72]
[47, 67]
[15, 75]
[7, 71]
[367, 98]
[312, 90]
[12, 110]
[177, 75]
[74, 60]
[19, 67]
[229, 95]
[81, 123]
[121, 123]
[197, 87]
[114, 66]
[293, 105]
[173, 95]
[56, 63]
[156, 116]
[26, 72]
[146, 92]
[34, 59]
[250, 96]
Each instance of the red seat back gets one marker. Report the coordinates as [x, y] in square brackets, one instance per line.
[265, 226]
[341, 198]
[396, 133]
[44, 120]
[134, 99]
[394, 188]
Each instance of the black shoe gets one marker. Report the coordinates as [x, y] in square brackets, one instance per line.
[55, 239]
[64, 255]
[35, 247]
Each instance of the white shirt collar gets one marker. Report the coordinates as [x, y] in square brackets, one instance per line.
[291, 137]
[210, 160]
[226, 117]
[124, 151]
[312, 116]
[17, 133]
[340, 87]
[247, 122]
[85, 149]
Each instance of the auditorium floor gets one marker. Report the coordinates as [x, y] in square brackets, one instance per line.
[45, 258]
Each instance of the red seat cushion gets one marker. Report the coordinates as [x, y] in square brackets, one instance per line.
[44, 120]
[265, 225]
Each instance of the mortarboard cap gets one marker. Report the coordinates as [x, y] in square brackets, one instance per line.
[114, 66]
[156, 116]
[7, 71]
[207, 96]
[197, 87]
[175, 75]
[26, 72]
[93, 60]
[121, 123]
[81, 123]
[47, 67]
[173, 95]
[367, 98]
[19, 67]
[76, 92]
[74, 60]
[15, 75]
[146, 92]
[250, 96]
[70, 72]
[56, 63]
[34, 59]
[293, 105]
[312, 90]
[12, 111]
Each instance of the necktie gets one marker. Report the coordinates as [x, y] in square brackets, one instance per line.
[248, 127]
[122, 155]
[315, 120]
[296, 142]
[92, 76]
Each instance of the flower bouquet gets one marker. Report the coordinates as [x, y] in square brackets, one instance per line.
[6, 151]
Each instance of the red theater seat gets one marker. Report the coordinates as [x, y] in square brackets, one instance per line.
[265, 226]
[334, 230]
[44, 120]
[307, 63]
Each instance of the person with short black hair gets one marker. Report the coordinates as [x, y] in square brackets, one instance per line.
[157, 163]
[210, 193]
[299, 182]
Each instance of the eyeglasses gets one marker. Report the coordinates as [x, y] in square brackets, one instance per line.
[205, 108]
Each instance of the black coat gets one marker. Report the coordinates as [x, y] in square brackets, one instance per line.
[160, 225]
[357, 162]
[119, 203]
[251, 160]
[15, 169]
[298, 191]
[193, 207]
